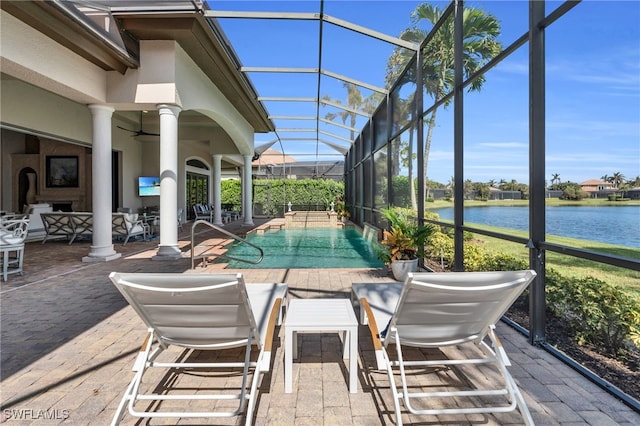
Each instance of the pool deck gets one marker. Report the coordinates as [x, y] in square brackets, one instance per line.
[68, 341]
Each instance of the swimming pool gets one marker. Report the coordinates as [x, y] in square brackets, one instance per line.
[307, 248]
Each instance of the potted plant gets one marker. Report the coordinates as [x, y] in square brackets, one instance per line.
[403, 244]
[343, 211]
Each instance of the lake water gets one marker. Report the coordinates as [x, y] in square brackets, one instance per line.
[619, 225]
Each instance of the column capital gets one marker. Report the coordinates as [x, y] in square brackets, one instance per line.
[169, 109]
[101, 108]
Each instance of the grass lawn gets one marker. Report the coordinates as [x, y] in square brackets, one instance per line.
[568, 265]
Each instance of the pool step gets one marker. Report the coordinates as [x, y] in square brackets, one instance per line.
[208, 250]
[274, 224]
[311, 219]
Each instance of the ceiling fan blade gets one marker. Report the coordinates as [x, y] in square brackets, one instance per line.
[143, 133]
[128, 130]
[139, 132]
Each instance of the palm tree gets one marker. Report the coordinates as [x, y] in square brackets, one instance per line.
[356, 102]
[617, 179]
[480, 45]
[555, 178]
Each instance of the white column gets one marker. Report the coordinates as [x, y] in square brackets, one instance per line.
[217, 190]
[247, 199]
[102, 244]
[168, 248]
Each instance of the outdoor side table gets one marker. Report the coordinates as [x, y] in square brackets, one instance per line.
[321, 315]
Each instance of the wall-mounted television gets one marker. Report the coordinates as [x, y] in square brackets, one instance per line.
[148, 186]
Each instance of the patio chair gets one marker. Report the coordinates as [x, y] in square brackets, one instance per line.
[202, 213]
[180, 214]
[209, 312]
[439, 310]
[13, 232]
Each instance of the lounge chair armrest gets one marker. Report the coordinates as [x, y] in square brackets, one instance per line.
[138, 365]
[381, 359]
[373, 327]
[265, 362]
[273, 318]
[497, 346]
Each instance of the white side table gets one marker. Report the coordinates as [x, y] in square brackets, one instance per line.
[320, 315]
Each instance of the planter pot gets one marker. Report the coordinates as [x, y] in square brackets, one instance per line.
[401, 268]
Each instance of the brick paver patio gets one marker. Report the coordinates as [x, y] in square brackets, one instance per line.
[69, 340]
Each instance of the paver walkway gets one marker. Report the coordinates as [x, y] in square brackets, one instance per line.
[68, 341]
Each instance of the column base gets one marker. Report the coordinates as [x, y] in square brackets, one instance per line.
[168, 253]
[93, 258]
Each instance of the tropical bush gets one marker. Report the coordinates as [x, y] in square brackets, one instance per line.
[599, 314]
[406, 239]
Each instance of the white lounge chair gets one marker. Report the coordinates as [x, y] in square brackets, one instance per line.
[204, 312]
[436, 310]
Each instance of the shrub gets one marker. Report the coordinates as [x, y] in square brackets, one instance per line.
[440, 248]
[274, 194]
[598, 313]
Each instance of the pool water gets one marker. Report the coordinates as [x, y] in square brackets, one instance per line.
[307, 248]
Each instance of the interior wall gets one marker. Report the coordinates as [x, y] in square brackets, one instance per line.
[37, 151]
[131, 163]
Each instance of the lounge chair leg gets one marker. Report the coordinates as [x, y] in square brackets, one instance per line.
[394, 389]
[117, 417]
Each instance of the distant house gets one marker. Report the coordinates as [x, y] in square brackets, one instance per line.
[272, 157]
[498, 194]
[553, 193]
[633, 193]
[273, 164]
[598, 188]
[441, 193]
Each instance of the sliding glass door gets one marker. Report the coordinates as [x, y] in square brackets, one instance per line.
[197, 191]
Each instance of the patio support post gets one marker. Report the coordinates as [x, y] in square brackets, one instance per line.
[102, 244]
[537, 170]
[217, 190]
[247, 199]
[419, 107]
[458, 138]
[168, 248]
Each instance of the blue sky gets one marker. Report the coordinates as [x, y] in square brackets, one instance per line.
[592, 77]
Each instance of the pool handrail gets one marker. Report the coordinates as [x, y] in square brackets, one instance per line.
[224, 256]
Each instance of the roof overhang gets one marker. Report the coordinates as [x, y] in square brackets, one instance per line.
[201, 40]
[57, 22]
[207, 49]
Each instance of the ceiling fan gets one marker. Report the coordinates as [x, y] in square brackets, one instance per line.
[139, 132]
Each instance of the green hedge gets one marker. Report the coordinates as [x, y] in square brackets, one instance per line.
[274, 194]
